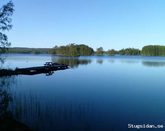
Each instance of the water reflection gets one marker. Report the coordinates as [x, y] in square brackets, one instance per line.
[5, 96]
[7, 120]
[45, 116]
[73, 62]
[2, 61]
[111, 61]
[70, 102]
[100, 61]
[153, 63]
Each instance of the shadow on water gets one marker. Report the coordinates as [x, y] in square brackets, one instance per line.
[7, 121]
[73, 62]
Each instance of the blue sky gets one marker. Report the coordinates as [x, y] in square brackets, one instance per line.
[108, 23]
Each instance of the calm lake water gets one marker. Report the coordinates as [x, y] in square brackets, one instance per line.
[94, 94]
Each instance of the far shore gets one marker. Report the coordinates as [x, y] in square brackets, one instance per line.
[74, 50]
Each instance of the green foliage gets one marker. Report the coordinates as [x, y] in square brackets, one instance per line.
[112, 52]
[73, 50]
[99, 51]
[29, 50]
[153, 50]
[129, 51]
[6, 12]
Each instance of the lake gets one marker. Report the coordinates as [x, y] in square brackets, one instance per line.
[94, 94]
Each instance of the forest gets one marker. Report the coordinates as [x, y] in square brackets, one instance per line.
[84, 50]
[73, 50]
[153, 50]
[126, 51]
[24, 50]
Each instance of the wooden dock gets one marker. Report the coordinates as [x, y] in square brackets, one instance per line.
[48, 69]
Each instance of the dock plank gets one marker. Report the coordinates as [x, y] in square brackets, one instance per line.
[34, 70]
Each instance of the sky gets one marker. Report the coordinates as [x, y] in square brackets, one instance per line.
[109, 24]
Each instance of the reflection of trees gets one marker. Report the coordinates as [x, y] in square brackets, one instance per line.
[100, 61]
[7, 121]
[73, 62]
[5, 97]
[56, 115]
[111, 60]
[2, 60]
[153, 63]
[129, 61]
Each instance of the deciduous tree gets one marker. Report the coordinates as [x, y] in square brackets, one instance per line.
[6, 11]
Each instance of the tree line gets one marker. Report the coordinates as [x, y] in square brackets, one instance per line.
[126, 51]
[73, 50]
[24, 50]
[6, 11]
[84, 50]
[153, 50]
